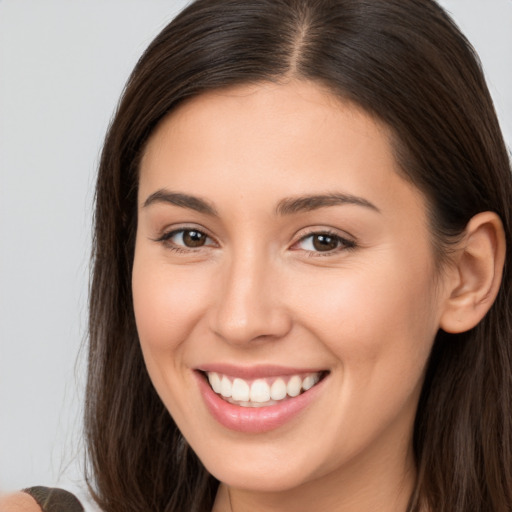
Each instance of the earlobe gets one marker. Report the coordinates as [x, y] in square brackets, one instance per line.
[478, 269]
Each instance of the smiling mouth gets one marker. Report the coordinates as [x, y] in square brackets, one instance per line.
[262, 392]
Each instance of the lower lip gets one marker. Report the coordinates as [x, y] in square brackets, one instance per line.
[255, 420]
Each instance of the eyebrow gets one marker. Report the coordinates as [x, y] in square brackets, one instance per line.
[286, 206]
[314, 202]
[183, 200]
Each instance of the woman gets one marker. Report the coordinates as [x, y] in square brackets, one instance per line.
[301, 292]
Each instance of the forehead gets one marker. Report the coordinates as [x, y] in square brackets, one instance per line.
[266, 110]
[271, 139]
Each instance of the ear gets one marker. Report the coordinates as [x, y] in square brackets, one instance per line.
[478, 269]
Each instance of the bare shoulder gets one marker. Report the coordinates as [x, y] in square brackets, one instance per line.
[18, 502]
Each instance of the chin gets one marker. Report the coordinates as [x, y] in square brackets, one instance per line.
[261, 467]
[253, 479]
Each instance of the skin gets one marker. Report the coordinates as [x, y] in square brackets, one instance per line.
[258, 293]
[20, 502]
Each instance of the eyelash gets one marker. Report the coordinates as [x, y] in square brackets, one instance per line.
[343, 244]
[166, 240]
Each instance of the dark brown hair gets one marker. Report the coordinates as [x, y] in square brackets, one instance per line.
[407, 64]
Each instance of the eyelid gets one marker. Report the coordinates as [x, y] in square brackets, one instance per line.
[347, 241]
[169, 232]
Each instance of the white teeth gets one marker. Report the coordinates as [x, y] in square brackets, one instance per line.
[225, 387]
[309, 382]
[240, 390]
[260, 391]
[214, 380]
[278, 390]
[294, 386]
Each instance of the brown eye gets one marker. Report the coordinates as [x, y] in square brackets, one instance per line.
[192, 238]
[186, 239]
[324, 242]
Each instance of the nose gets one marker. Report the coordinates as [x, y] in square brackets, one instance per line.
[249, 302]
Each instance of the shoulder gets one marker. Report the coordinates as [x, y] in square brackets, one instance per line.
[40, 499]
[18, 502]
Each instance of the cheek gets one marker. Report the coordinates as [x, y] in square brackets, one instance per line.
[166, 303]
[379, 326]
[379, 322]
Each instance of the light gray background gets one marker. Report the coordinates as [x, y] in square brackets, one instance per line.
[63, 65]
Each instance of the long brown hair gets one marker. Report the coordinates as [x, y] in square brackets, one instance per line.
[407, 64]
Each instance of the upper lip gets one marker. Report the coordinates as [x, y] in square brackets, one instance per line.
[257, 371]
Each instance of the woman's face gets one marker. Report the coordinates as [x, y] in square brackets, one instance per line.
[278, 249]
